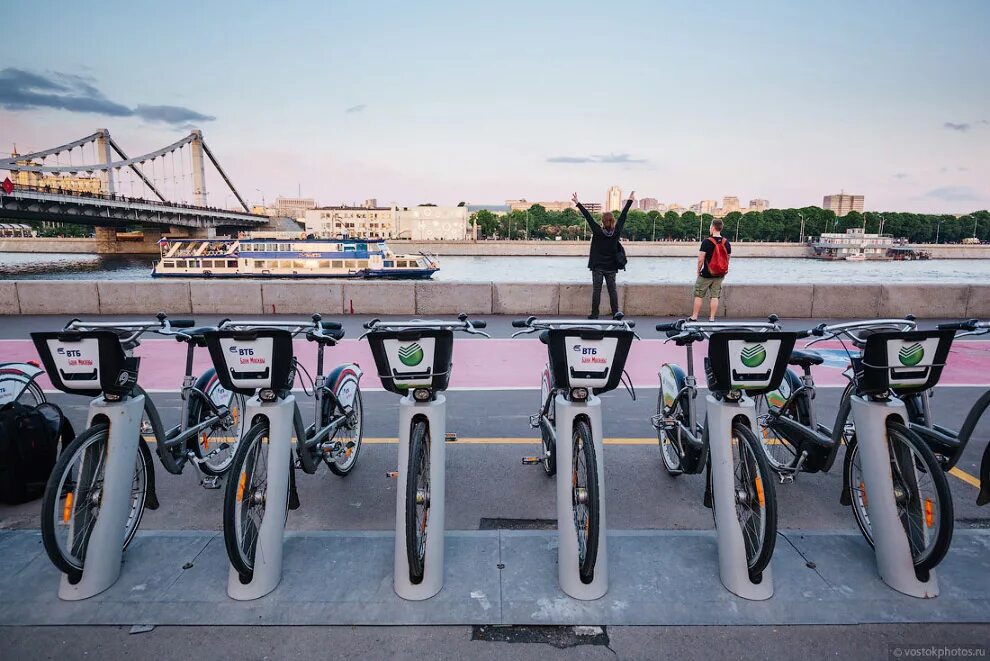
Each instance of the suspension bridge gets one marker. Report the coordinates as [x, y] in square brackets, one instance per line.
[91, 181]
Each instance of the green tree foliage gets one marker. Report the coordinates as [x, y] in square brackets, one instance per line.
[769, 225]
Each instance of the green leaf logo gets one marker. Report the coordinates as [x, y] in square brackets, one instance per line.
[411, 354]
[753, 356]
[911, 355]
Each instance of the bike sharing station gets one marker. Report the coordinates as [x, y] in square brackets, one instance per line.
[905, 362]
[480, 576]
[93, 363]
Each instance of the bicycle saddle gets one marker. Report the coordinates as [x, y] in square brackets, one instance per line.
[805, 358]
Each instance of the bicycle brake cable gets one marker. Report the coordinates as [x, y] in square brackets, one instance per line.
[627, 382]
[303, 383]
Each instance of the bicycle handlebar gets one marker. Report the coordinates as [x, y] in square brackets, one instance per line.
[462, 324]
[182, 323]
[968, 325]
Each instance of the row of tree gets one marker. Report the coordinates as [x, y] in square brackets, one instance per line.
[769, 225]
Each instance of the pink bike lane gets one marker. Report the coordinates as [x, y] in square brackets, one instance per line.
[508, 364]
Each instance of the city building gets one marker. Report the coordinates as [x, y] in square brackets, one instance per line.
[55, 182]
[759, 205]
[842, 203]
[676, 208]
[370, 203]
[294, 207]
[649, 204]
[708, 206]
[730, 204]
[356, 222]
[525, 205]
[432, 224]
[592, 207]
[613, 198]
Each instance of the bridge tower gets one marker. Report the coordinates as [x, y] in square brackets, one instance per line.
[103, 150]
[198, 169]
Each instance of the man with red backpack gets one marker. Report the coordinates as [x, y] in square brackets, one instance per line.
[713, 264]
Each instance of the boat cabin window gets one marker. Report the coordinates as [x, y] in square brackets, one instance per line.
[351, 264]
[362, 247]
[338, 264]
[232, 263]
[349, 247]
[259, 263]
[389, 264]
[324, 263]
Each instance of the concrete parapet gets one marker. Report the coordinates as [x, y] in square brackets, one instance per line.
[366, 297]
[143, 297]
[758, 301]
[306, 298]
[525, 298]
[58, 297]
[575, 300]
[225, 297]
[845, 301]
[453, 297]
[8, 298]
[924, 301]
[979, 302]
[655, 300]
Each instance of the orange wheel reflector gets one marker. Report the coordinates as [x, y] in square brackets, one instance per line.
[67, 510]
[862, 490]
[240, 487]
[929, 513]
[759, 491]
[233, 414]
[206, 441]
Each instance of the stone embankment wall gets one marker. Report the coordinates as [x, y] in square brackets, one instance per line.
[76, 297]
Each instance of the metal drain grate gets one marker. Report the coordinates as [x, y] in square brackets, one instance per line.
[557, 636]
[517, 524]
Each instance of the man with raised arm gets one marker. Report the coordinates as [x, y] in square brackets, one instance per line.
[604, 258]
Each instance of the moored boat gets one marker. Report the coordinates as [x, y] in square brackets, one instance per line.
[288, 255]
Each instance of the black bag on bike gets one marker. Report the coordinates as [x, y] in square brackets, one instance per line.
[29, 446]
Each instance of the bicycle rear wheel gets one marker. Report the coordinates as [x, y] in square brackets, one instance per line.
[417, 500]
[549, 443]
[921, 495]
[350, 433]
[245, 498]
[74, 495]
[216, 447]
[585, 497]
[755, 498]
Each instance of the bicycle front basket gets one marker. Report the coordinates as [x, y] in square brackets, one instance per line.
[419, 358]
[249, 360]
[749, 361]
[588, 358]
[906, 362]
[86, 362]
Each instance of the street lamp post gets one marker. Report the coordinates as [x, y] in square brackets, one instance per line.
[738, 223]
[801, 238]
[655, 229]
[938, 226]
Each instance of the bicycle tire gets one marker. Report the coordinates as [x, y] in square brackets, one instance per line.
[583, 448]
[750, 476]
[546, 438]
[57, 504]
[932, 554]
[668, 450]
[356, 432]
[240, 527]
[417, 496]
[215, 462]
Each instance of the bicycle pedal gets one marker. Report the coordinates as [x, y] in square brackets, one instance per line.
[392, 474]
[786, 479]
[450, 437]
[534, 421]
[530, 461]
[211, 482]
[349, 445]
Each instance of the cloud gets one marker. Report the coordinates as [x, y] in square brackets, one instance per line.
[25, 90]
[597, 158]
[358, 108]
[901, 175]
[954, 126]
[954, 194]
[171, 114]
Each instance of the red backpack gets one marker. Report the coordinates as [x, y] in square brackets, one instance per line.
[718, 265]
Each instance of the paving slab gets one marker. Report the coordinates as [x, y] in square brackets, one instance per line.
[657, 577]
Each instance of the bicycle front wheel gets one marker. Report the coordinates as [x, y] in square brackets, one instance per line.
[585, 497]
[921, 495]
[74, 496]
[349, 434]
[549, 443]
[755, 498]
[417, 500]
[245, 499]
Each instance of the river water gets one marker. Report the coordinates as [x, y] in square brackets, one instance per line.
[552, 269]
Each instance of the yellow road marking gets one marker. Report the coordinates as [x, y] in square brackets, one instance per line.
[971, 480]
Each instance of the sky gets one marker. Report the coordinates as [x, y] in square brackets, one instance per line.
[442, 102]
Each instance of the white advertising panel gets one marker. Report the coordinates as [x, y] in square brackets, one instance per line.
[249, 362]
[751, 363]
[589, 362]
[910, 361]
[78, 363]
[411, 361]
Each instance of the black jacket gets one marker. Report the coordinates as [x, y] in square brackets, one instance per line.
[604, 248]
